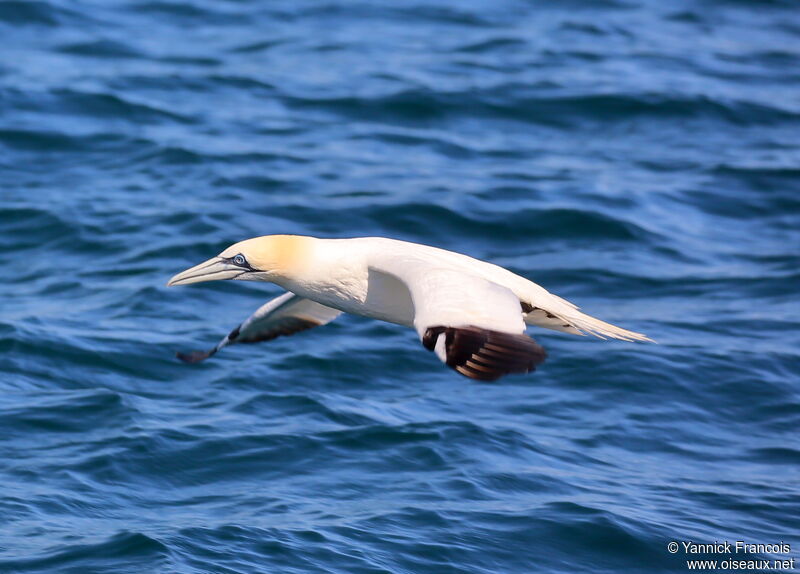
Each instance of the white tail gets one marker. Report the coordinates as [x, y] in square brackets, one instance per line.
[588, 324]
[553, 312]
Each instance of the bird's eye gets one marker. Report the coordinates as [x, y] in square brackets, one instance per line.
[239, 259]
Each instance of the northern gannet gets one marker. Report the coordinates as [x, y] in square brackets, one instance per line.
[471, 313]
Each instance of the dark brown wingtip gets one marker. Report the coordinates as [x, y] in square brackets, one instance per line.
[284, 327]
[486, 355]
[194, 356]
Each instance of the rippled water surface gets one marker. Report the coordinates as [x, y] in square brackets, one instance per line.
[640, 158]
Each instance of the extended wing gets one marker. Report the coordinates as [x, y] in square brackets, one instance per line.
[285, 315]
[475, 326]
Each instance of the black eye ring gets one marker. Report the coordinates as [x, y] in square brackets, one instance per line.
[239, 259]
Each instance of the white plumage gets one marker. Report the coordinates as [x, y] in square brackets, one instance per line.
[472, 313]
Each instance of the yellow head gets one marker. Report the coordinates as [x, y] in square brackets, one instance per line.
[259, 259]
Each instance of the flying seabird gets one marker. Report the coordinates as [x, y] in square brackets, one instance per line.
[471, 313]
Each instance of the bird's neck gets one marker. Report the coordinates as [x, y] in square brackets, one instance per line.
[328, 271]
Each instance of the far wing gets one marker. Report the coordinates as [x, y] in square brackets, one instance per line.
[475, 326]
[285, 315]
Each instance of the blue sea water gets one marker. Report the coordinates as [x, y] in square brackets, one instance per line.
[640, 158]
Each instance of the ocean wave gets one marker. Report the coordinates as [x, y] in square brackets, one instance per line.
[37, 12]
[515, 102]
[129, 550]
[586, 145]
